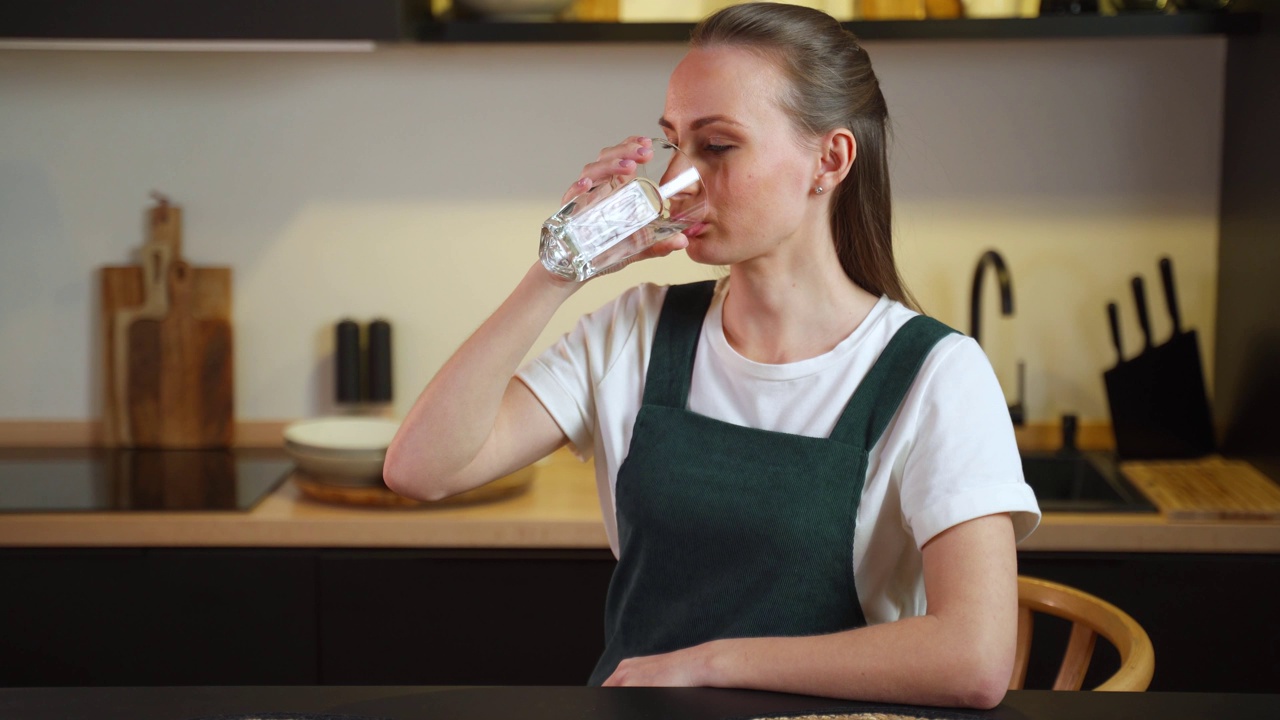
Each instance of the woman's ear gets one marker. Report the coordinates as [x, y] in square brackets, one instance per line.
[839, 149]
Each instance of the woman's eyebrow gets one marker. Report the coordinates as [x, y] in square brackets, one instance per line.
[700, 122]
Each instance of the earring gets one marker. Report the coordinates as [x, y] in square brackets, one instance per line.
[818, 191]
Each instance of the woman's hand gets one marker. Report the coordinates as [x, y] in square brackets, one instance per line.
[690, 667]
[616, 165]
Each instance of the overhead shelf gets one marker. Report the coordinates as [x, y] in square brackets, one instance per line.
[397, 21]
[1054, 26]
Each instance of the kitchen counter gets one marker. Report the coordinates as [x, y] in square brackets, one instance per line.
[558, 510]
[536, 703]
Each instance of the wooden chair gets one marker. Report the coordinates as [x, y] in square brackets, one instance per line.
[1090, 616]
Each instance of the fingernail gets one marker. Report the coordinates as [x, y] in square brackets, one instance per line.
[584, 182]
[626, 163]
[642, 150]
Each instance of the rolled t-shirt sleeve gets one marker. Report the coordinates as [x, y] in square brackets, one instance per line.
[566, 376]
[561, 381]
[964, 462]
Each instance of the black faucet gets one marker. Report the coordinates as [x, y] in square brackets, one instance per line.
[993, 259]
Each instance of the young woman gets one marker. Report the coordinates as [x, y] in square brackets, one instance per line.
[810, 487]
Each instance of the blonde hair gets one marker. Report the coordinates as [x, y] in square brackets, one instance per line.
[831, 85]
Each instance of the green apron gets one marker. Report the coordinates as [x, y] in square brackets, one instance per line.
[728, 531]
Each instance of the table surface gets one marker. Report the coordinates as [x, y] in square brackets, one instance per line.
[561, 703]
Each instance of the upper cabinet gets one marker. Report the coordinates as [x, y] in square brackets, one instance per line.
[383, 21]
[211, 20]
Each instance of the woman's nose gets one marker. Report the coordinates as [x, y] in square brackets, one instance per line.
[681, 177]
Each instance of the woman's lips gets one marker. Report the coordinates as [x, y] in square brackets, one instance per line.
[695, 229]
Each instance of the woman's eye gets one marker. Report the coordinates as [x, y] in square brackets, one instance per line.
[717, 149]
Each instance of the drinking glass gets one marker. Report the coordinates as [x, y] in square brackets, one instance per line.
[611, 222]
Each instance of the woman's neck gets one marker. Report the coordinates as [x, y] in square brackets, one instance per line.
[791, 306]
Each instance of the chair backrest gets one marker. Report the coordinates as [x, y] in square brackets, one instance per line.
[1090, 616]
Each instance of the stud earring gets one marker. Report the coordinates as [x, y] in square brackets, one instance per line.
[818, 191]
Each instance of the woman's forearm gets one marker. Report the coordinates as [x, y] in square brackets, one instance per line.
[454, 417]
[959, 653]
[918, 660]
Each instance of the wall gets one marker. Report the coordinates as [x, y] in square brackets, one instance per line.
[410, 182]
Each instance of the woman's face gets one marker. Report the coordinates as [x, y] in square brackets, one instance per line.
[723, 108]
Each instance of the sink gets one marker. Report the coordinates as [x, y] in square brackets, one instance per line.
[1076, 481]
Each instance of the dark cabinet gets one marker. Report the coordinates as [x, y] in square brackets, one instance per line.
[1212, 617]
[456, 618]
[157, 617]
[289, 20]
[81, 617]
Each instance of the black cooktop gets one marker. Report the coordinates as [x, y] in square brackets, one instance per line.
[115, 480]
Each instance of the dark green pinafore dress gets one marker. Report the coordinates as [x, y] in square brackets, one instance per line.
[729, 531]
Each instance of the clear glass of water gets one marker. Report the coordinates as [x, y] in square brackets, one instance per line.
[609, 223]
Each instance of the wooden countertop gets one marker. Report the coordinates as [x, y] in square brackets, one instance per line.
[558, 510]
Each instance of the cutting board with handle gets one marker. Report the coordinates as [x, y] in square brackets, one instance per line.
[167, 345]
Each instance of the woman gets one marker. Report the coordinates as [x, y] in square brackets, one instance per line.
[810, 488]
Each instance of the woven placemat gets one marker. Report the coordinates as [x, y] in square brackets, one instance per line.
[1212, 488]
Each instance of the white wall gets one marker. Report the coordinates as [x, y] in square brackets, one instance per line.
[410, 183]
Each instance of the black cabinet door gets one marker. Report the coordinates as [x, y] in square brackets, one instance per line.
[157, 617]
[222, 20]
[462, 618]
[1212, 618]
[231, 617]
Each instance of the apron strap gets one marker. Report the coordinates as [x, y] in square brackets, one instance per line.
[675, 344]
[881, 392]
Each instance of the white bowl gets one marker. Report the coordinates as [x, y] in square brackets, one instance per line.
[339, 471]
[513, 9]
[342, 434]
[346, 451]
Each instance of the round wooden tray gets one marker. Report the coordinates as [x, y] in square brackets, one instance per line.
[381, 496]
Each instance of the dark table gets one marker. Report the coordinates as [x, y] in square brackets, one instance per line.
[576, 703]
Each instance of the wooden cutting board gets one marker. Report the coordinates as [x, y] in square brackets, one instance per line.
[1211, 489]
[380, 495]
[167, 346]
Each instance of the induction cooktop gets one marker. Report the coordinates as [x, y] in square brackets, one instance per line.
[119, 480]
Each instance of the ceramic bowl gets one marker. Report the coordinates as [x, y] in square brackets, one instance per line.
[342, 450]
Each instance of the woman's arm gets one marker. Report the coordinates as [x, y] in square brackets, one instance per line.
[474, 422]
[960, 653]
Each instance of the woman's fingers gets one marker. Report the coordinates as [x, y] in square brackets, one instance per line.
[657, 250]
[665, 248]
[614, 164]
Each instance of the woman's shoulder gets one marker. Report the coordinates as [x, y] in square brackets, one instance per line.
[954, 355]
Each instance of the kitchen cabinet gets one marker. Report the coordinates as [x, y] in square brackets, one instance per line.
[462, 617]
[157, 617]
[226, 20]
[79, 617]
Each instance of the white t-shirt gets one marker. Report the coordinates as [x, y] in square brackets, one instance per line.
[948, 455]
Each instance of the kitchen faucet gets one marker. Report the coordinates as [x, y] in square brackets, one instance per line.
[993, 259]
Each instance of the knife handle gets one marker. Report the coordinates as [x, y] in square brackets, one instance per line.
[1113, 313]
[1140, 300]
[1170, 294]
